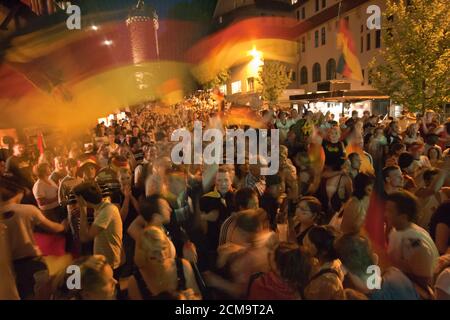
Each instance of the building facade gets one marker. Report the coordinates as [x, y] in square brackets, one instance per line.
[316, 38]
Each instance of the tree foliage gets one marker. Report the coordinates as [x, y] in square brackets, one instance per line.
[273, 78]
[221, 78]
[414, 66]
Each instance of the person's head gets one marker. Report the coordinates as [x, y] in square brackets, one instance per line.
[294, 113]
[246, 198]
[19, 149]
[366, 114]
[373, 120]
[355, 160]
[355, 253]
[96, 280]
[151, 152]
[363, 185]
[397, 148]
[401, 208]
[111, 138]
[354, 114]
[250, 222]
[135, 131]
[406, 162]
[88, 171]
[282, 115]
[292, 263]
[124, 177]
[71, 167]
[411, 131]
[60, 163]
[393, 177]
[90, 192]
[153, 247]
[434, 154]
[155, 208]
[42, 170]
[308, 210]
[10, 190]
[379, 132]
[274, 186]
[223, 181]
[334, 134]
[394, 127]
[319, 242]
[255, 168]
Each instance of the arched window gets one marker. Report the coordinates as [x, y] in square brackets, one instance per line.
[316, 72]
[303, 75]
[331, 69]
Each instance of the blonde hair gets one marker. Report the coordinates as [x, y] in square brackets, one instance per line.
[152, 239]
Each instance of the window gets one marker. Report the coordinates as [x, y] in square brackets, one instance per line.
[298, 14]
[331, 69]
[369, 76]
[316, 72]
[236, 87]
[368, 42]
[316, 38]
[293, 76]
[324, 3]
[303, 44]
[323, 35]
[377, 38]
[303, 75]
[362, 82]
[223, 89]
[317, 5]
[362, 44]
[251, 84]
[303, 13]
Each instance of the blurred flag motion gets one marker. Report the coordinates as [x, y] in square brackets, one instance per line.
[52, 75]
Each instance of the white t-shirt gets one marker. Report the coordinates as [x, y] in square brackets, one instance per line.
[46, 194]
[109, 241]
[413, 251]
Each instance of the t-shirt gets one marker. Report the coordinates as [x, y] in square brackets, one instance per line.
[395, 285]
[413, 251]
[20, 219]
[46, 194]
[333, 152]
[109, 241]
[443, 281]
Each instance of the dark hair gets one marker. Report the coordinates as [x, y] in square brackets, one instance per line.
[242, 197]
[355, 253]
[250, 220]
[432, 139]
[405, 159]
[395, 147]
[323, 238]
[9, 188]
[149, 206]
[387, 171]
[406, 203]
[90, 192]
[361, 181]
[429, 174]
[294, 264]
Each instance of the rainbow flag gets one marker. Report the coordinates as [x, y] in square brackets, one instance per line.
[348, 64]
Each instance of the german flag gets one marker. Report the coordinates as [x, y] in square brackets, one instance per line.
[348, 64]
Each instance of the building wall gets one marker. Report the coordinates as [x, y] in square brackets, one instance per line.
[321, 54]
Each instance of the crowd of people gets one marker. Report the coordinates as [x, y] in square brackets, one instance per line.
[140, 227]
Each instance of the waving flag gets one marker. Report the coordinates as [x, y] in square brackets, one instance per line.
[348, 64]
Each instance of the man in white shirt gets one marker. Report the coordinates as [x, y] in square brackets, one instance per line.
[106, 230]
[410, 248]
